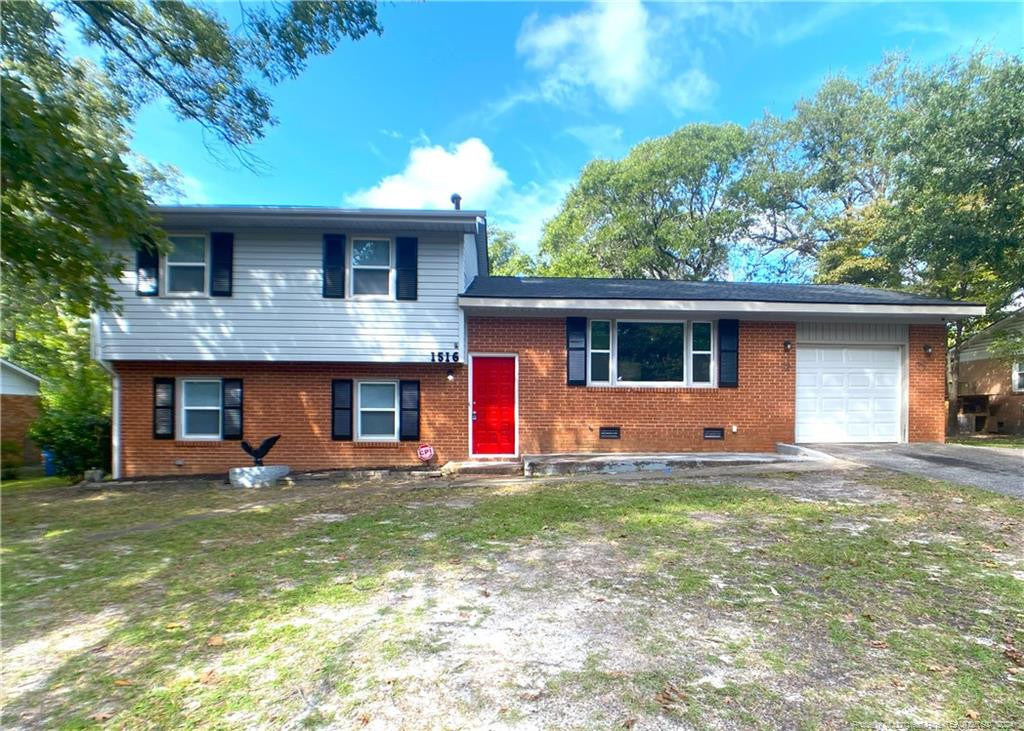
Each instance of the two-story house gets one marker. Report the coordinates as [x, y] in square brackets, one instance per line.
[359, 335]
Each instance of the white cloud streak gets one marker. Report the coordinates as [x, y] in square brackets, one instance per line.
[615, 51]
[433, 172]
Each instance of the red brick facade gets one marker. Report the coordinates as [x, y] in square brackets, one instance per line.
[295, 400]
[18, 413]
[554, 417]
[926, 378]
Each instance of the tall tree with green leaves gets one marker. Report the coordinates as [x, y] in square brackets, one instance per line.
[668, 210]
[70, 183]
[506, 258]
[69, 180]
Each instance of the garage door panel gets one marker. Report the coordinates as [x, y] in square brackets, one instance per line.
[848, 394]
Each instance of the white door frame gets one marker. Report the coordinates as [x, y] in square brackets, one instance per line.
[903, 379]
[469, 405]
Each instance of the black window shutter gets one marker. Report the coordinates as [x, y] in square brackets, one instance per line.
[406, 267]
[163, 408]
[222, 254]
[576, 351]
[341, 409]
[409, 416]
[334, 266]
[729, 353]
[147, 272]
[231, 408]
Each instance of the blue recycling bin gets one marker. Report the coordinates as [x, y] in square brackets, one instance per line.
[49, 464]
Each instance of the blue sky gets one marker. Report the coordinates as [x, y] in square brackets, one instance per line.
[505, 102]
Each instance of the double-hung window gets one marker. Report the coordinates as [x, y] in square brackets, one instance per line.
[200, 409]
[700, 352]
[629, 353]
[1017, 376]
[372, 263]
[185, 265]
[600, 351]
[377, 405]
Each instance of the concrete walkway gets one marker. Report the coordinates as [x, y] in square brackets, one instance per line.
[626, 462]
[990, 468]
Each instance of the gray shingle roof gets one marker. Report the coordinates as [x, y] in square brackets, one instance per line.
[655, 289]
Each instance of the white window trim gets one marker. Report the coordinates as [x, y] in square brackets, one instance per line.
[687, 382]
[1015, 372]
[351, 278]
[712, 370]
[359, 410]
[165, 265]
[180, 389]
[609, 351]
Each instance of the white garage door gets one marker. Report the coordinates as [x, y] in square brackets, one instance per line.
[848, 394]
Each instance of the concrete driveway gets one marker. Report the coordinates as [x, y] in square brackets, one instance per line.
[990, 468]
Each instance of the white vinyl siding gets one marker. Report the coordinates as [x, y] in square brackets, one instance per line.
[277, 311]
[851, 332]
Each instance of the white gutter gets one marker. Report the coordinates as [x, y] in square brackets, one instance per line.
[725, 306]
[115, 396]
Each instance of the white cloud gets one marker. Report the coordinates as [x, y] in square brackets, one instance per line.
[689, 91]
[599, 139]
[606, 47]
[525, 210]
[621, 54]
[433, 172]
[811, 23]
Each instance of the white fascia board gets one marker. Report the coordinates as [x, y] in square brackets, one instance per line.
[721, 306]
[22, 371]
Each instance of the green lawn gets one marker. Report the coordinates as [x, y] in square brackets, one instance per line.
[798, 600]
[1009, 440]
[32, 483]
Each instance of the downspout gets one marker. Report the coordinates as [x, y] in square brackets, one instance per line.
[115, 396]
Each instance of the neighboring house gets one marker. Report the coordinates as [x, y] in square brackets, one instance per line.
[991, 389]
[19, 407]
[359, 335]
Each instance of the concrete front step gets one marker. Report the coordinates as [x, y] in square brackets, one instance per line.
[569, 464]
[482, 467]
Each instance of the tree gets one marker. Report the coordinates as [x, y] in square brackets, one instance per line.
[505, 256]
[813, 177]
[69, 181]
[668, 210]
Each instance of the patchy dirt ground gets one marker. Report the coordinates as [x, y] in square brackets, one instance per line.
[761, 598]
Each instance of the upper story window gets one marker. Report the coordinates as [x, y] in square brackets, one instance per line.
[627, 353]
[1018, 377]
[185, 265]
[372, 263]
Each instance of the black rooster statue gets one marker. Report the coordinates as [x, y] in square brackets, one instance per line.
[261, 451]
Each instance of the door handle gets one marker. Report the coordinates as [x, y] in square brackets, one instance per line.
[474, 416]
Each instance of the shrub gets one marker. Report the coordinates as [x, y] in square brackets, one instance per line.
[78, 439]
[11, 458]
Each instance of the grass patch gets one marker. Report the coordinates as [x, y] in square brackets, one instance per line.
[723, 604]
[1010, 440]
[32, 483]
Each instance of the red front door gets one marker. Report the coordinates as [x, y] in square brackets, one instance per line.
[494, 404]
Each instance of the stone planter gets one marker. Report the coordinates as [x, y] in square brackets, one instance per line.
[265, 476]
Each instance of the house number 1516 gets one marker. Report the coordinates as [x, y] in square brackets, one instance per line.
[444, 356]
